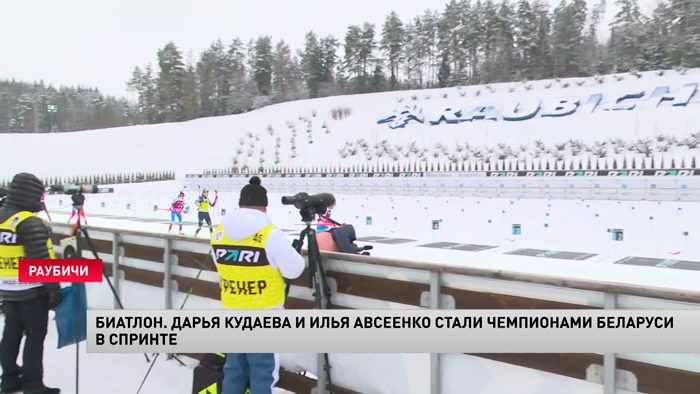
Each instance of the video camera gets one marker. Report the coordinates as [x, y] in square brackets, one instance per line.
[310, 206]
[69, 188]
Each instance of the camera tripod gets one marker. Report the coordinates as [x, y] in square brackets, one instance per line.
[79, 231]
[322, 291]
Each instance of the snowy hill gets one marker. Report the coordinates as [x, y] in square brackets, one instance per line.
[617, 121]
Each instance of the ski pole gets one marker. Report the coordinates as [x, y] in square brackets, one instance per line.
[187, 296]
[150, 367]
[196, 278]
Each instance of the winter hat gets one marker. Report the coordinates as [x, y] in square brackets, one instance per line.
[25, 192]
[253, 195]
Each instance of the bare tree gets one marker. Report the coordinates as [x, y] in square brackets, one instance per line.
[577, 146]
[504, 152]
[540, 149]
[692, 141]
[644, 147]
[600, 149]
[558, 155]
[663, 147]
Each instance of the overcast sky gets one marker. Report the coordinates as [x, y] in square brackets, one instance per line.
[99, 42]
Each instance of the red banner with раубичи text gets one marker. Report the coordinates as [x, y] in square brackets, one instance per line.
[60, 270]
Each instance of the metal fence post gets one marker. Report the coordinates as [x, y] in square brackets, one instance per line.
[116, 256]
[167, 280]
[610, 359]
[167, 275]
[435, 372]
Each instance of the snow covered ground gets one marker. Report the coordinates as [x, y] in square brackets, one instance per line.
[112, 373]
[109, 373]
[651, 229]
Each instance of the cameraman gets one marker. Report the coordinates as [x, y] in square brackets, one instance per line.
[341, 240]
[258, 284]
[25, 305]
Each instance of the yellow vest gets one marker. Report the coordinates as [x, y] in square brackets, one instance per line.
[11, 251]
[248, 281]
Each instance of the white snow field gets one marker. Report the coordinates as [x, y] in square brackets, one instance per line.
[573, 230]
[655, 229]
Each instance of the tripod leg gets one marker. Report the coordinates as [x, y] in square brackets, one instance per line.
[148, 373]
[322, 294]
[176, 358]
[77, 339]
[104, 272]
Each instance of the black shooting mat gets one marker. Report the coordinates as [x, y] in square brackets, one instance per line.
[456, 246]
[661, 263]
[551, 254]
[385, 240]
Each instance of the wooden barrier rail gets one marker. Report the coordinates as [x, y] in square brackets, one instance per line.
[366, 282]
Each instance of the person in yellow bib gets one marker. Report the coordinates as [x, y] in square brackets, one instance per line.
[253, 258]
[23, 235]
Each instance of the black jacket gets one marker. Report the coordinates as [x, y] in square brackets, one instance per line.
[78, 199]
[344, 238]
[25, 195]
